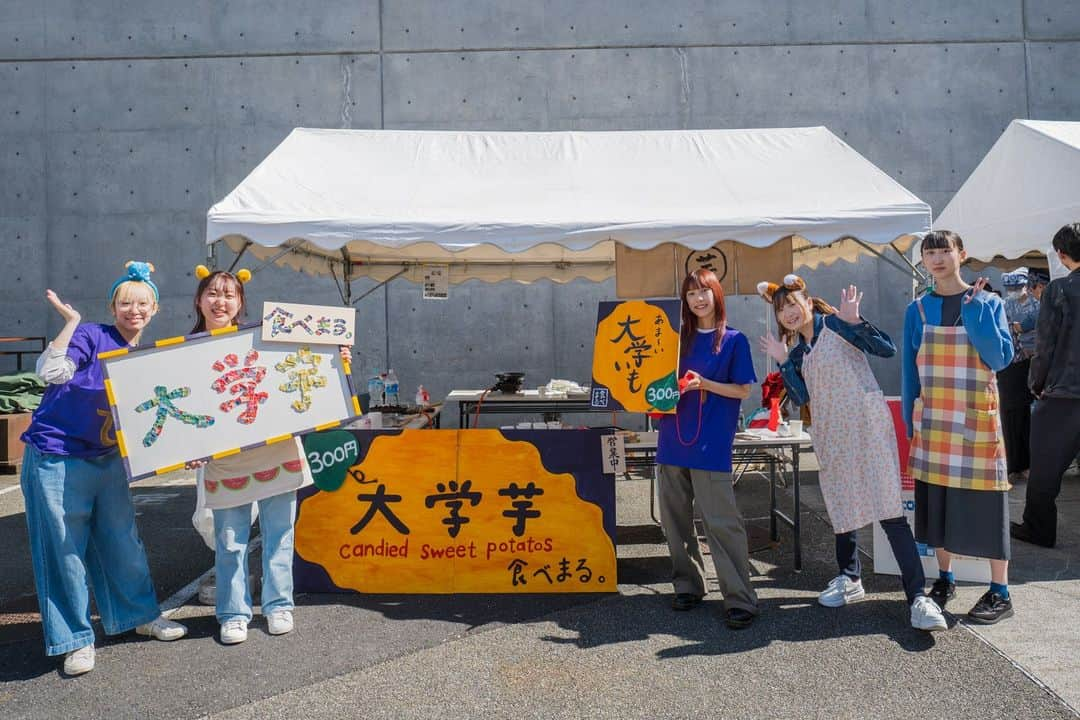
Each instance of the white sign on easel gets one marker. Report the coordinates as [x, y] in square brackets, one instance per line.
[310, 324]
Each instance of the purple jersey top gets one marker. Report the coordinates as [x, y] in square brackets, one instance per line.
[74, 418]
[719, 417]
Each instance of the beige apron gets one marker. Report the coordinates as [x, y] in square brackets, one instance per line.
[854, 439]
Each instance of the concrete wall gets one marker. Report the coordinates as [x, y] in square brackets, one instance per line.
[122, 121]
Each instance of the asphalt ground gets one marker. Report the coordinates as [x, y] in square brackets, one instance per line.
[625, 655]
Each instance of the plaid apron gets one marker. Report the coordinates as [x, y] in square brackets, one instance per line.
[957, 440]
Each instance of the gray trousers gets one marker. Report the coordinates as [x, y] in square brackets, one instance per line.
[680, 490]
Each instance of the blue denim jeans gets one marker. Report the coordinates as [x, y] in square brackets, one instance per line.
[898, 532]
[232, 529]
[82, 527]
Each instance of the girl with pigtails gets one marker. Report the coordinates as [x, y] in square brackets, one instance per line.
[822, 353]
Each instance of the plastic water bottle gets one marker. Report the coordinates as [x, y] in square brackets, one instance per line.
[391, 388]
[375, 389]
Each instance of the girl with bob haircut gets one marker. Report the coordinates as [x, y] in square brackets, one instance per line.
[956, 338]
[694, 454]
[78, 507]
[822, 355]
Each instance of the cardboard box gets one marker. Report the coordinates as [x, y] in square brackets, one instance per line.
[11, 447]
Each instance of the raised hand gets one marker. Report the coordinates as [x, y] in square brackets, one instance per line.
[774, 348]
[849, 304]
[70, 314]
[977, 288]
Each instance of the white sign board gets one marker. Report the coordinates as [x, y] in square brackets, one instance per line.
[211, 395]
[310, 324]
[436, 282]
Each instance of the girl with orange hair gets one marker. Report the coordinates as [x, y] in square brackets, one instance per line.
[693, 454]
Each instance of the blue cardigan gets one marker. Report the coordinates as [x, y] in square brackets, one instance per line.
[987, 328]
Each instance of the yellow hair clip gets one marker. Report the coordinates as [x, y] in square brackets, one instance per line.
[202, 272]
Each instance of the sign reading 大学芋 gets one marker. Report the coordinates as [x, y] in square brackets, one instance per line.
[636, 356]
[191, 398]
[311, 324]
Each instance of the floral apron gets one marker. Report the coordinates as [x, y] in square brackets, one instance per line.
[854, 438]
[957, 440]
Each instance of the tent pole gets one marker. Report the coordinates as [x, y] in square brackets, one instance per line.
[346, 274]
[236, 260]
[386, 322]
[870, 249]
[211, 254]
[381, 284]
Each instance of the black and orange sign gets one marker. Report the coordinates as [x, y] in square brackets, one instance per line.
[452, 511]
[636, 356]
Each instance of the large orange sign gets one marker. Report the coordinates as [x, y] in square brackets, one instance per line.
[636, 356]
[458, 511]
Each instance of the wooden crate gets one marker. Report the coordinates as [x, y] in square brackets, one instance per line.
[11, 447]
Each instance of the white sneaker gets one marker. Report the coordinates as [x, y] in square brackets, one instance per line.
[279, 622]
[234, 631]
[162, 629]
[79, 662]
[841, 591]
[926, 615]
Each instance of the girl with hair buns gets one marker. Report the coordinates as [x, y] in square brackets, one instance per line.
[822, 356]
[693, 454]
[219, 302]
[280, 468]
[79, 513]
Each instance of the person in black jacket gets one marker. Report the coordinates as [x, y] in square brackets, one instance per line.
[1054, 380]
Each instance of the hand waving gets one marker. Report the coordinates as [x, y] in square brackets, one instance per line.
[774, 348]
[69, 313]
[849, 305]
[977, 288]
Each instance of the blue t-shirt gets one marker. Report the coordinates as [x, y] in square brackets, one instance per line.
[74, 418]
[719, 415]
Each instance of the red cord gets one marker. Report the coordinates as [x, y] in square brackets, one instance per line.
[476, 416]
[678, 430]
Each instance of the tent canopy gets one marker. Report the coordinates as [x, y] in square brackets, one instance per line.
[525, 205]
[1021, 193]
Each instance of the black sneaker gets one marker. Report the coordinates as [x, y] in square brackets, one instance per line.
[685, 601]
[990, 608]
[737, 618]
[942, 591]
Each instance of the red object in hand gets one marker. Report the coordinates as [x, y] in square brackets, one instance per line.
[685, 380]
[774, 413]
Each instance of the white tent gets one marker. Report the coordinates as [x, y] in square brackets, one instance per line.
[1022, 192]
[525, 205]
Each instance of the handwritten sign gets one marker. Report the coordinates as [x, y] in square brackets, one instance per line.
[613, 451]
[636, 356]
[309, 324]
[215, 393]
[458, 511]
[436, 282]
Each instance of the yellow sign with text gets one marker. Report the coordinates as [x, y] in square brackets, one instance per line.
[474, 511]
[636, 356]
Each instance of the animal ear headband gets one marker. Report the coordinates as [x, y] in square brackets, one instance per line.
[792, 282]
[242, 275]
